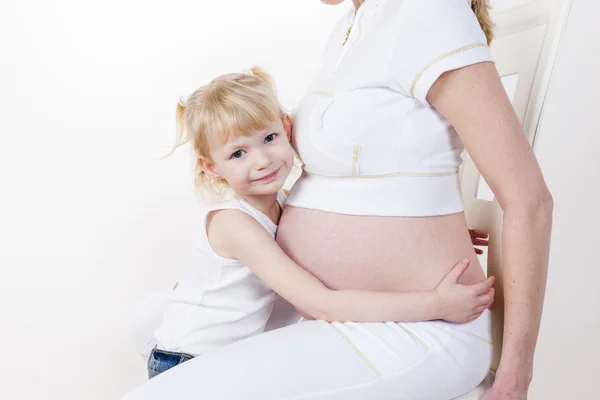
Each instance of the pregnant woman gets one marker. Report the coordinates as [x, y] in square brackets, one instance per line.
[404, 87]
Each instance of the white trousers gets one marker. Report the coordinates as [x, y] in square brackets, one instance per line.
[431, 360]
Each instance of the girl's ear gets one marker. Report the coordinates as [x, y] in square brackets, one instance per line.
[287, 124]
[209, 168]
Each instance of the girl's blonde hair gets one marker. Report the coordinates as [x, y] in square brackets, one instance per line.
[230, 105]
[481, 8]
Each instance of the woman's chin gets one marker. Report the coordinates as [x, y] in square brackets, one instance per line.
[332, 2]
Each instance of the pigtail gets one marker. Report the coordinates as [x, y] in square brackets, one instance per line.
[180, 136]
[263, 76]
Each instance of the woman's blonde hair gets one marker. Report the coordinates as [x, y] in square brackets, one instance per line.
[230, 105]
[481, 8]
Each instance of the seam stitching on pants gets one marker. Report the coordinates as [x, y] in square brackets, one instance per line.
[480, 338]
[358, 352]
[417, 339]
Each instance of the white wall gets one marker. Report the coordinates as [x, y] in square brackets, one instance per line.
[89, 220]
[568, 148]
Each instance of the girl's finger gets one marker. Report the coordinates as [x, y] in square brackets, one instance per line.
[474, 316]
[487, 297]
[484, 301]
[480, 309]
[483, 287]
[458, 270]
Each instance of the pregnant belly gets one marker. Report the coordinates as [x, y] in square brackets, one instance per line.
[377, 253]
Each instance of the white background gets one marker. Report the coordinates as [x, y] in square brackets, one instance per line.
[90, 221]
[568, 149]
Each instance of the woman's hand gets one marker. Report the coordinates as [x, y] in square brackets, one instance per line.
[463, 303]
[496, 392]
[511, 385]
[478, 238]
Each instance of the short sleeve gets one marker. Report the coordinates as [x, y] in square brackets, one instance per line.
[433, 37]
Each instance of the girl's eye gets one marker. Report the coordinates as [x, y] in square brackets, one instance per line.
[270, 137]
[238, 154]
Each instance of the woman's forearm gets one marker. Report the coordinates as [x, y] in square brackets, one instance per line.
[525, 251]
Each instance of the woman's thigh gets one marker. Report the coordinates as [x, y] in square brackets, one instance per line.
[317, 360]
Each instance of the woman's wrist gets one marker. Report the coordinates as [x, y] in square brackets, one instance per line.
[510, 389]
[514, 378]
[516, 361]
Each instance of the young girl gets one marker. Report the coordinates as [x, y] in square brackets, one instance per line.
[241, 140]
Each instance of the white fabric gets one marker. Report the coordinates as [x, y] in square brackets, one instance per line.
[218, 301]
[149, 312]
[431, 360]
[148, 316]
[416, 197]
[365, 129]
[479, 391]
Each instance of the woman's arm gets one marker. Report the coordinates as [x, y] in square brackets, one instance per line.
[249, 242]
[474, 101]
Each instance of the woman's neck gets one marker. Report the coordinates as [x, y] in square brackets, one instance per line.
[357, 3]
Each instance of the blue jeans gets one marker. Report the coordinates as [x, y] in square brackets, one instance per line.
[161, 360]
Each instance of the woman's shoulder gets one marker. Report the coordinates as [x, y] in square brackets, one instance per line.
[434, 36]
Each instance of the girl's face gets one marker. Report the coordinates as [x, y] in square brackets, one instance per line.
[255, 165]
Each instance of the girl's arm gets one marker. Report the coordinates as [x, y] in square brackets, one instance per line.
[474, 101]
[239, 236]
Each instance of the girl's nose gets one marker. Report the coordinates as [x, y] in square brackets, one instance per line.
[263, 160]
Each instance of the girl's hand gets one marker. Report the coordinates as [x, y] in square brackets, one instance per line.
[478, 238]
[463, 303]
